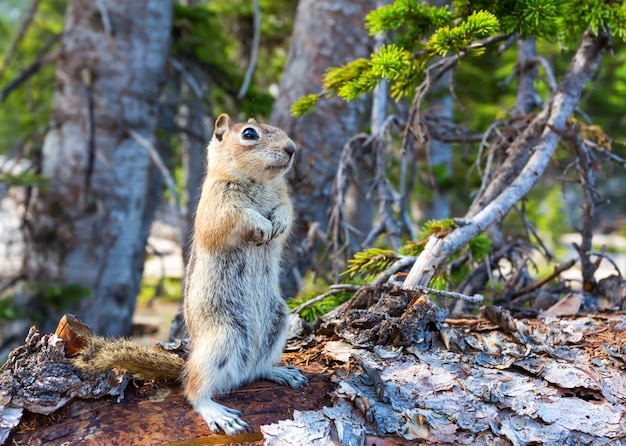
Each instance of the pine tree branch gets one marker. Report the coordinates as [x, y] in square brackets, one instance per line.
[557, 112]
[414, 125]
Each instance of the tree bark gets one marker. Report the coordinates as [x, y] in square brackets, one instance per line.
[326, 34]
[554, 118]
[89, 226]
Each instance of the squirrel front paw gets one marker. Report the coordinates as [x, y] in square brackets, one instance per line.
[260, 229]
[281, 220]
[261, 232]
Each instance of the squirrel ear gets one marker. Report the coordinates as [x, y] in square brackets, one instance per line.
[222, 124]
[252, 121]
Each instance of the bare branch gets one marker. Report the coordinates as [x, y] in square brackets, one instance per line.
[43, 59]
[193, 83]
[476, 298]
[106, 20]
[548, 69]
[169, 180]
[528, 226]
[414, 125]
[587, 179]
[556, 114]
[19, 37]
[608, 259]
[256, 39]
[535, 286]
[334, 290]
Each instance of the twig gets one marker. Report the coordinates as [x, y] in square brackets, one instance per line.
[433, 73]
[169, 180]
[397, 266]
[587, 179]
[528, 226]
[484, 143]
[608, 259]
[106, 21]
[334, 290]
[547, 68]
[9, 283]
[337, 224]
[191, 81]
[42, 60]
[87, 81]
[19, 37]
[611, 156]
[538, 284]
[256, 38]
[476, 298]
[508, 43]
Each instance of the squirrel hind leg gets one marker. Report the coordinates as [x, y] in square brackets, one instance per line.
[220, 418]
[287, 376]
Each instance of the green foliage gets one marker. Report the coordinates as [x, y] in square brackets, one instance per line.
[413, 247]
[167, 288]
[432, 227]
[62, 297]
[335, 78]
[422, 32]
[318, 309]
[370, 263]
[460, 38]
[479, 247]
[57, 297]
[23, 179]
[26, 108]
[9, 309]
[412, 20]
[304, 105]
[594, 14]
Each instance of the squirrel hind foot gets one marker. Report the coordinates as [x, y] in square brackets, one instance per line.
[221, 418]
[287, 376]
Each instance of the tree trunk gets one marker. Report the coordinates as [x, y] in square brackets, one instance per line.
[89, 226]
[326, 34]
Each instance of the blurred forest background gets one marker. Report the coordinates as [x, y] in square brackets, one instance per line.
[107, 106]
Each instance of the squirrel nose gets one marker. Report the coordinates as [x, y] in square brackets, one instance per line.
[290, 148]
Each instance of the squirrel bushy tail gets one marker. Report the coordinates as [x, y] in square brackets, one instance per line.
[140, 361]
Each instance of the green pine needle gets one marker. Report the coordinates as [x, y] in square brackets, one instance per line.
[335, 78]
[480, 247]
[459, 38]
[370, 263]
[390, 61]
[305, 104]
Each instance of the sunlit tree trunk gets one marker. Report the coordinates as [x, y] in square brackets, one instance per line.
[326, 34]
[89, 226]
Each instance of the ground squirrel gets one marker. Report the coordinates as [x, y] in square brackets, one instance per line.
[235, 314]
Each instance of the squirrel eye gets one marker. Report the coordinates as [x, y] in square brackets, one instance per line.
[249, 134]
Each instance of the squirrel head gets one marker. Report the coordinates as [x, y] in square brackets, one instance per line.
[249, 150]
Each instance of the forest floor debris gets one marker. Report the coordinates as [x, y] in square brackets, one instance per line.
[558, 380]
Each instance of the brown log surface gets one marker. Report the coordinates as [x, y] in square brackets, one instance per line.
[150, 415]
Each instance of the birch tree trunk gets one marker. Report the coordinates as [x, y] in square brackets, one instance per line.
[89, 226]
[326, 34]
